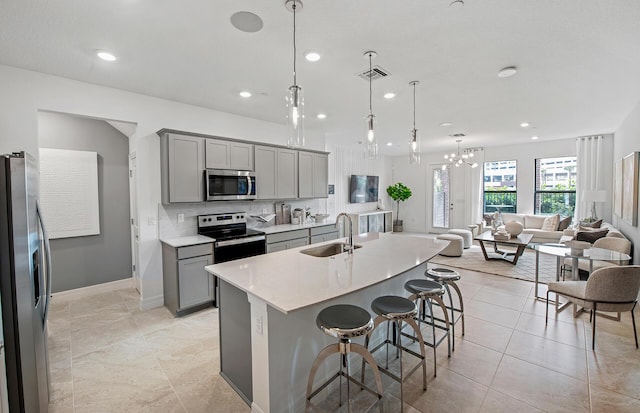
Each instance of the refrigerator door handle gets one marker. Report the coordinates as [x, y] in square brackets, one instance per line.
[47, 259]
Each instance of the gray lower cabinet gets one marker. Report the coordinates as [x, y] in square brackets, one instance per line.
[286, 240]
[187, 286]
[322, 234]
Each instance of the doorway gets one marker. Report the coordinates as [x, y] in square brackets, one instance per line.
[439, 213]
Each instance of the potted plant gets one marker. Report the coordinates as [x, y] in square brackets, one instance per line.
[398, 192]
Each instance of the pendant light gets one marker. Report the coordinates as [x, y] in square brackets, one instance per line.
[372, 144]
[414, 142]
[295, 97]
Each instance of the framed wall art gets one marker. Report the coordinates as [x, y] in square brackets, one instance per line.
[630, 188]
[617, 189]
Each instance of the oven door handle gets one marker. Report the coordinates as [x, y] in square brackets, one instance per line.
[240, 241]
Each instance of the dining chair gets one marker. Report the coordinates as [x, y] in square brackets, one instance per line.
[608, 243]
[610, 289]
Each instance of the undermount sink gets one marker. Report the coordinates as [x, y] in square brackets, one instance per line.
[328, 250]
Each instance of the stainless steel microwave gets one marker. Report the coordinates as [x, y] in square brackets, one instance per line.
[229, 185]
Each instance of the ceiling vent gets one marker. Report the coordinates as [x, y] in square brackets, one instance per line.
[376, 72]
[458, 135]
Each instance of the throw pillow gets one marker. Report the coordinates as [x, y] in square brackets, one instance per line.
[594, 224]
[591, 236]
[550, 223]
[564, 224]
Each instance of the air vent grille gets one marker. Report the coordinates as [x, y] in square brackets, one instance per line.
[376, 72]
[458, 135]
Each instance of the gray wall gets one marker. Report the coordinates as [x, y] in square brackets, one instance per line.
[96, 259]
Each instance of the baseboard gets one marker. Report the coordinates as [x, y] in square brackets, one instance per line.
[93, 290]
[255, 408]
[152, 302]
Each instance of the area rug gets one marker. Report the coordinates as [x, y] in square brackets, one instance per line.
[525, 269]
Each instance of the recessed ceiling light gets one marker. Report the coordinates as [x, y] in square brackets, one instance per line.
[507, 71]
[312, 56]
[246, 21]
[389, 144]
[245, 94]
[389, 95]
[321, 116]
[534, 137]
[106, 56]
[446, 124]
[524, 124]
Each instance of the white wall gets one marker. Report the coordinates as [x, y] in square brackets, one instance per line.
[347, 161]
[414, 211]
[627, 140]
[25, 92]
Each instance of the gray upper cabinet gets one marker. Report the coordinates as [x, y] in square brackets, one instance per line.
[266, 158]
[222, 154]
[287, 175]
[182, 168]
[276, 172]
[313, 170]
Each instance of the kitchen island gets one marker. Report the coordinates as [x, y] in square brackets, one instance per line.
[268, 305]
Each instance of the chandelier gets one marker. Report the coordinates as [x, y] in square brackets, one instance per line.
[463, 158]
[295, 97]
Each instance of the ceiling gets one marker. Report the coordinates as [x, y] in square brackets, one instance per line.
[578, 61]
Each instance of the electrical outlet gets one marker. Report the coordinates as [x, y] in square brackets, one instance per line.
[180, 217]
[264, 210]
[151, 220]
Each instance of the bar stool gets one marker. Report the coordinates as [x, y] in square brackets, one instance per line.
[396, 310]
[344, 321]
[447, 278]
[424, 292]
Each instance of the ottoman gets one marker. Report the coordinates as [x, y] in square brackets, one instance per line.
[454, 249]
[467, 236]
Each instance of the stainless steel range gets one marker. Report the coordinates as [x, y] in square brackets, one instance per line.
[233, 240]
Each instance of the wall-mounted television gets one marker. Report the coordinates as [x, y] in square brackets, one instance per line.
[363, 188]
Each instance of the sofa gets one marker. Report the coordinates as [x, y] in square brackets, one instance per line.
[533, 225]
[613, 240]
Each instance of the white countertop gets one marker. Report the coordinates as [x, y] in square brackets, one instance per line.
[274, 229]
[289, 280]
[185, 241]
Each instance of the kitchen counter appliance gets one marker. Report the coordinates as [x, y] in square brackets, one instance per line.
[233, 240]
[229, 185]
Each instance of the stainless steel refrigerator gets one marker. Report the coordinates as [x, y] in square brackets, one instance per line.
[25, 285]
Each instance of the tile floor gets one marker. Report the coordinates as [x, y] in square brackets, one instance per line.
[108, 356]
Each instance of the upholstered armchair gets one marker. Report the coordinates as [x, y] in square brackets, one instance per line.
[610, 289]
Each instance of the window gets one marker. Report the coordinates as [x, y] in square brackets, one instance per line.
[555, 191]
[500, 186]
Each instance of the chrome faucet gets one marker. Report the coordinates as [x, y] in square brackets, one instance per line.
[348, 248]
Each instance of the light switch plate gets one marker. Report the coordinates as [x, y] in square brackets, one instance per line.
[180, 217]
[151, 220]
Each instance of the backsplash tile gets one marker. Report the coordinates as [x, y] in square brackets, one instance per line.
[169, 227]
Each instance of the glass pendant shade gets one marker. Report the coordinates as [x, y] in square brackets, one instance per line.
[414, 147]
[295, 116]
[295, 97]
[414, 142]
[372, 143]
